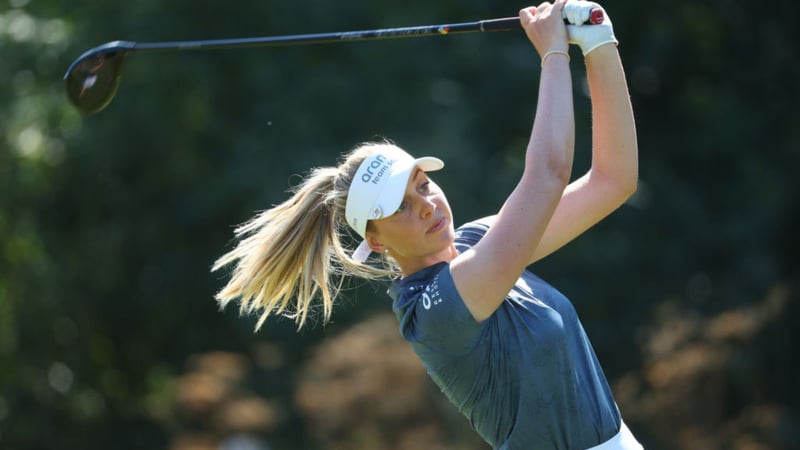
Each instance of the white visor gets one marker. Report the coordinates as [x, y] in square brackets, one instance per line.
[378, 188]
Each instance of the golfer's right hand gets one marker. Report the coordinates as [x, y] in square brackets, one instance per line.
[544, 26]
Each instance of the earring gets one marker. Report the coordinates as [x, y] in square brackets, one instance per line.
[386, 250]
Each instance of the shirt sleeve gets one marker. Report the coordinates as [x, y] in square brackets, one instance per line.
[441, 320]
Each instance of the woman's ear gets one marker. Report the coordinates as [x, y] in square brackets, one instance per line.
[375, 244]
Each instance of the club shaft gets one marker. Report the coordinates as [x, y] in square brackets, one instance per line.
[503, 24]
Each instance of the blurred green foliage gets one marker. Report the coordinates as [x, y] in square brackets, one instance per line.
[109, 223]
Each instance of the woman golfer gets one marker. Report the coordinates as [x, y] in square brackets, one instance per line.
[505, 347]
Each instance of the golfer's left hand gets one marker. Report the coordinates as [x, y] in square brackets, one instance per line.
[587, 36]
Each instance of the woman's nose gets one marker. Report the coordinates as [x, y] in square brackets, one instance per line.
[426, 206]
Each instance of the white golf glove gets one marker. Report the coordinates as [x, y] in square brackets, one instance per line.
[584, 34]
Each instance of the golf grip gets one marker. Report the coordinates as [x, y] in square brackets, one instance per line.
[596, 17]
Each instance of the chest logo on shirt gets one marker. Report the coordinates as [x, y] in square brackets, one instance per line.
[430, 297]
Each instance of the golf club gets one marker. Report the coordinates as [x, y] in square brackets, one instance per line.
[93, 78]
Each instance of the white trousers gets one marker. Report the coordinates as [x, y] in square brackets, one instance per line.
[623, 440]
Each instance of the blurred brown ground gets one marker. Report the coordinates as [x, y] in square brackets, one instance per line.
[364, 389]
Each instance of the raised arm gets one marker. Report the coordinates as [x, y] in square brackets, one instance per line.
[613, 175]
[486, 273]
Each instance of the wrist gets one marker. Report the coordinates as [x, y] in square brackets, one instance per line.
[597, 45]
[554, 53]
[602, 52]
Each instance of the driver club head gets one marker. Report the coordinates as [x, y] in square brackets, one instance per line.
[93, 78]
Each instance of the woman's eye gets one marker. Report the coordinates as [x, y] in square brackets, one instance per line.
[425, 187]
[401, 207]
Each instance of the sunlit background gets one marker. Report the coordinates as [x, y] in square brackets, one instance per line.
[109, 223]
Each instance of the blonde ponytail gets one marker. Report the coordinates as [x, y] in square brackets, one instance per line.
[293, 253]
